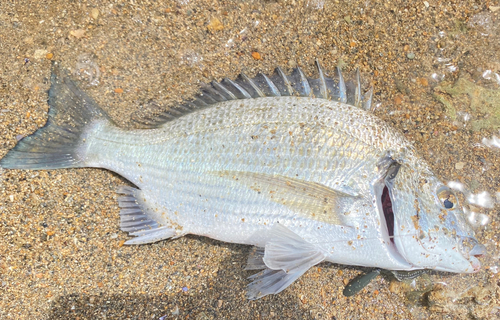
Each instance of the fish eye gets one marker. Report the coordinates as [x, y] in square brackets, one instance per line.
[446, 198]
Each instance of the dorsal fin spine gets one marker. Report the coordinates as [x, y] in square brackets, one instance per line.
[199, 102]
[342, 87]
[271, 86]
[239, 88]
[253, 85]
[214, 94]
[304, 82]
[221, 87]
[285, 81]
[367, 100]
[323, 88]
[357, 95]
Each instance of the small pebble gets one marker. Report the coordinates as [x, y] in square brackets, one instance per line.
[77, 33]
[94, 13]
[40, 53]
[459, 165]
[394, 287]
[398, 100]
[410, 55]
[215, 25]
[256, 55]
[49, 56]
[175, 312]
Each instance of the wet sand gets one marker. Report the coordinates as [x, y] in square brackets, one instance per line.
[61, 250]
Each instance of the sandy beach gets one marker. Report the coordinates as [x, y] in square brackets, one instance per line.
[435, 67]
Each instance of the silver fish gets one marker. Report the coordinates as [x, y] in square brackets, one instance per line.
[298, 167]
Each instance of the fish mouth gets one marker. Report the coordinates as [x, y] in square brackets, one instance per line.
[479, 250]
[476, 252]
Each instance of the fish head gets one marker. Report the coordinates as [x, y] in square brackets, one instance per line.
[429, 226]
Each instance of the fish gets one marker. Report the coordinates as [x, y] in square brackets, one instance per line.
[300, 168]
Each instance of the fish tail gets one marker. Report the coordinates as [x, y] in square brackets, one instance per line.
[59, 143]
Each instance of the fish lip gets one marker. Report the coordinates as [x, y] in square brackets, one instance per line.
[478, 250]
[475, 264]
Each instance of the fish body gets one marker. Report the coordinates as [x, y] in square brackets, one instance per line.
[291, 165]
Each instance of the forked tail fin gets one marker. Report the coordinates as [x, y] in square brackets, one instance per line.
[56, 145]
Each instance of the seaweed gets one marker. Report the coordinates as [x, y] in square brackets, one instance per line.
[483, 103]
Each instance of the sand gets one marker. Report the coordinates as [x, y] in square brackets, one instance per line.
[61, 250]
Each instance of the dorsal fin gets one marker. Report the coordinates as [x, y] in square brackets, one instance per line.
[278, 84]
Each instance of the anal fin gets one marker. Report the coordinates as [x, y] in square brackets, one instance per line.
[286, 257]
[136, 218]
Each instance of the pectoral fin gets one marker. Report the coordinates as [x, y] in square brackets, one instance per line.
[309, 199]
[286, 257]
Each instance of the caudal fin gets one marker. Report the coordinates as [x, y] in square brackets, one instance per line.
[56, 145]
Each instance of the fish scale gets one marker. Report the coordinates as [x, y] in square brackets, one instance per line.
[298, 167]
[228, 154]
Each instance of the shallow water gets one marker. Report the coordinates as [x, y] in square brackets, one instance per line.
[61, 253]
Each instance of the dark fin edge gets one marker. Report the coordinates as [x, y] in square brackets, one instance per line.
[278, 84]
[56, 144]
[135, 218]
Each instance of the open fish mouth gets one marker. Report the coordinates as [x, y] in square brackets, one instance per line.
[478, 250]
